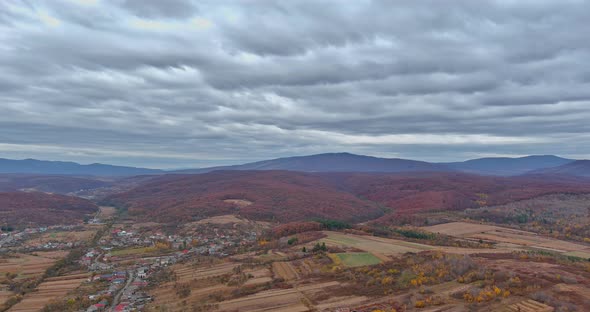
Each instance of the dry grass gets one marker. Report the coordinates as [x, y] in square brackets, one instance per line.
[50, 289]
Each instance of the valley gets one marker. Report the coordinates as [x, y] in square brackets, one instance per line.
[298, 241]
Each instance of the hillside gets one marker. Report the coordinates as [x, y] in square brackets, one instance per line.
[505, 166]
[49, 183]
[292, 196]
[22, 209]
[332, 162]
[449, 191]
[263, 195]
[580, 168]
[33, 166]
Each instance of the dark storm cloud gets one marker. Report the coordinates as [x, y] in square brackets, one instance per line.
[191, 83]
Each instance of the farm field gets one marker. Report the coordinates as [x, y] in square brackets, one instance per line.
[188, 273]
[50, 289]
[354, 259]
[199, 278]
[509, 236]
[4, 295]
[530, 306]
[30, 265]
[288, 300]
[376, 245]
[259, 276]
[382, 248]
[106, 212]
[284, 270]
[224, 219]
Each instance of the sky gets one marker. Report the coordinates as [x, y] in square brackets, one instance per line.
[179, 83]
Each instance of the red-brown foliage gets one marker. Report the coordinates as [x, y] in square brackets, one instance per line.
[294, 228]
[279, 195]
[449, 191]
[20, 209]
[293, 196]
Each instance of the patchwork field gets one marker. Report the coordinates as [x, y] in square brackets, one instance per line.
[188, 272]
[530, 306]
[378, 246]
[382, 248]
[509, 236]
[50, 289]
[288, 300]
[201, 280]
[30, 265]
[4, 295]
[259, 276]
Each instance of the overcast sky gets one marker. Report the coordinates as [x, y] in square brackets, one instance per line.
[175, 83]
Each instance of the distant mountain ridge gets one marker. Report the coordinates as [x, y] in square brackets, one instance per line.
[328, 162]
[506, 166]
[34, 166]
[332, 162]
[579, 168]
[346, 162]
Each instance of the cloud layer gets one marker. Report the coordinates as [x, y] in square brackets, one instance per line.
[185, 84]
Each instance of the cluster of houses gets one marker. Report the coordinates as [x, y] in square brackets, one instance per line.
[13, 240]
[123, 286]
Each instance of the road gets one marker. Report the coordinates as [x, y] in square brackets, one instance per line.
[120, 293]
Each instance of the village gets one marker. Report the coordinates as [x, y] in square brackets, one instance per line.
[115, 260]
[126, 257]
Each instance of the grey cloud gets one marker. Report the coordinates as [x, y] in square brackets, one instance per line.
[156, 8]
[216, 82]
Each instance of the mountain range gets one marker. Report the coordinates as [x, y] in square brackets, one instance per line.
[329, 162]
[34, 166]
